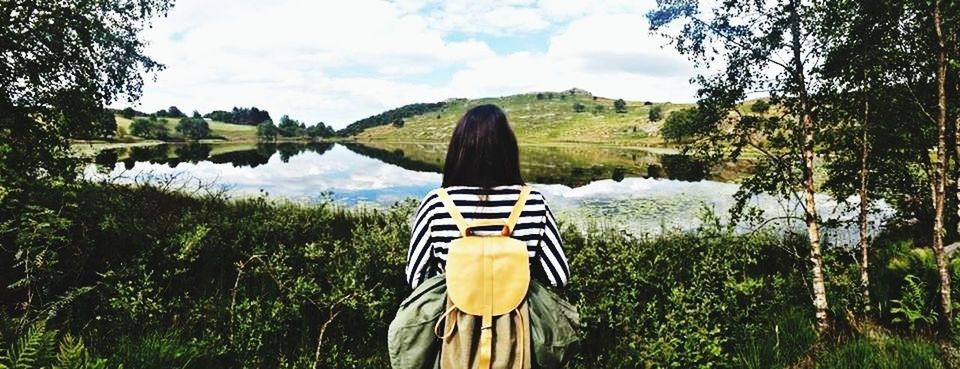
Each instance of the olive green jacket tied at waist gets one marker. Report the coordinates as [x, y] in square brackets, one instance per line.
[413, 343]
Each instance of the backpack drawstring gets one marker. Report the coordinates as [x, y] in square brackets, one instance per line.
[450, 315]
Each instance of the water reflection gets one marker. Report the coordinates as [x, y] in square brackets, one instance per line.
[635, 190]
[571, 166]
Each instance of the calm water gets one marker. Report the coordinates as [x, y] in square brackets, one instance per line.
[634, 190]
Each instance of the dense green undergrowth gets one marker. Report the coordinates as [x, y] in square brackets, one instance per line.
[150, 278]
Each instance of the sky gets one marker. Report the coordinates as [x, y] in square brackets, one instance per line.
[340, 61]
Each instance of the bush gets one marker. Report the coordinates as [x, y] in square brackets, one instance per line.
[578, 107]
[620, 106]
[655, 113]
[154, 277]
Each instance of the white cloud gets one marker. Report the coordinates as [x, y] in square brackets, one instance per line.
[338, 62]
[609, 55]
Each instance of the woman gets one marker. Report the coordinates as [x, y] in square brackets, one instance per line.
[482, 176]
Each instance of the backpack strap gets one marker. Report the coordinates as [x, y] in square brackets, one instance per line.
[463, 226]
[454, 213]
[517, 210]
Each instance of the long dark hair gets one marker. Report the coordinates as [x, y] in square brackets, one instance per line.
[483, 151]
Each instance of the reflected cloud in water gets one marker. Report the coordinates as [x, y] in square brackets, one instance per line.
[358, 174]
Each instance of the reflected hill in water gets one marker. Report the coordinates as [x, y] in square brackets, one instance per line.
[572, 166]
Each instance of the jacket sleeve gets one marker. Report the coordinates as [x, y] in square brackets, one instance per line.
[419, 253]
[550, 254]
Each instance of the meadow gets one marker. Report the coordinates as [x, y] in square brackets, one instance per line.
[544, 117]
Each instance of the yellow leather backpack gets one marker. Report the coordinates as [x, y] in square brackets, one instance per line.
[487, 279]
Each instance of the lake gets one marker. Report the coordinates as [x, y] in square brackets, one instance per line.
[635, 190]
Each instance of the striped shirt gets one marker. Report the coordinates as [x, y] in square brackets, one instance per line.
[434, 229]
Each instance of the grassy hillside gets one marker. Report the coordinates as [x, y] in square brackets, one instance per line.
[540, 117]
[228, 131]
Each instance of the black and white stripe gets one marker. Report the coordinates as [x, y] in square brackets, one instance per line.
[433, 229]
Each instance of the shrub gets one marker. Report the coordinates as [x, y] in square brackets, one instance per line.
[579, 107]
[620, 106]
[655, 113]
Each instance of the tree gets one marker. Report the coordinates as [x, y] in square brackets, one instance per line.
[196, 115]
[398, 123]
[761, 46]
[193, 128]
[597, 109]
[174, 112]
[620, 106]
[680, 124]
[128, 113]
[150, 128]
[289, 127]
[266, 131]
[320, 130]
[579, 107]
[939, 181]
[655, 113]
[220, 116]
[760, 107]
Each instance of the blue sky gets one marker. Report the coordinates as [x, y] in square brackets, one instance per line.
[339, 61]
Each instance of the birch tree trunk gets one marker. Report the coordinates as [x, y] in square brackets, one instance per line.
[938, 183]
[809, 189]
[864, 208]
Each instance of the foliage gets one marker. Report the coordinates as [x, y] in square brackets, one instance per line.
[248, 116]
[290, 127]
[193, 128]
[320, 130]
[578, 107]
[129, 113]
[913, 308]
[620, 106]
[760, 107]
[55, 81]
[150, 128]
[207, 282]
[680, 124]
[390, 116]
[171, 112]
[655, 113]
[266, 131]
[38, 348]
[785, 341]
[883, 353]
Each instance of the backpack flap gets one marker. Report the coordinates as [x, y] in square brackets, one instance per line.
[487, 276]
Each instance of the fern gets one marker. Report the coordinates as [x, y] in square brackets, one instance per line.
[912, 308]
[32, 350]
[74, 355]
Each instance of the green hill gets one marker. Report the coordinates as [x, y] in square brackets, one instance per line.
[226, 131]
[539, 117]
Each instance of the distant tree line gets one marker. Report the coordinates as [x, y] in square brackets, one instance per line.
[249, 116]
[289, 127]
[391, 117]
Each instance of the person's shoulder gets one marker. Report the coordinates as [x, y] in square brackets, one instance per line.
[536, 194]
